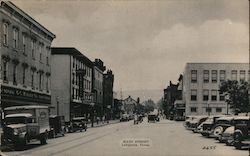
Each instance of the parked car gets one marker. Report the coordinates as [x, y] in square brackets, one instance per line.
[242, 133]
[221, 125]
[196, 122]
[57, 126]
[208, 125]
[23, 124]
[77, 123]
[124, 117]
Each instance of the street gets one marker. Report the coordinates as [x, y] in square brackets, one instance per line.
[159, 139]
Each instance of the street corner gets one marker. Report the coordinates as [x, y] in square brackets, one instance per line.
[136, 143]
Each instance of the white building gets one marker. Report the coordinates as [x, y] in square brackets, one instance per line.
[201, 86]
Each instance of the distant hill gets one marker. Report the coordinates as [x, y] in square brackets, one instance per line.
[155, 94]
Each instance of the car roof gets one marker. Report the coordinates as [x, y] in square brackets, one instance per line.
[25, 107]
[226, 118]
[79, 118]
[241, 118]
[19, 115]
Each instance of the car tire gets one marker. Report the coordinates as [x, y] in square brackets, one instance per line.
[238, 145]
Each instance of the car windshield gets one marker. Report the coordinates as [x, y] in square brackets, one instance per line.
[209, 120]
[241, 121]
[223, 122]
[15, 120]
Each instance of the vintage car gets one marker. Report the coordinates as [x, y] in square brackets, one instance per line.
[242, 133]
[23, 124]
[208, 125]
[153, 118]
[124, 117]
[77, 124]
[221, 125]
[194, 124]
[57, 126]
[228, 135]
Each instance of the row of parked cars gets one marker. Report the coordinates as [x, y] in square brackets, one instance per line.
[232, 130]
[23, 124]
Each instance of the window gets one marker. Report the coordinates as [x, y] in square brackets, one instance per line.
[222, 75]
[47, 55]
[214, 76]
[234, 75]
[243, 75]
[208, 110]
[5, 70]
[40, 81]
[33, 48]
[14, 74]
[5, 33]
[193, 109]
[222, 97]
[205, 95]
[73, 62]
[214, 95]
[24, 73]
[32, 78]
[206, 76]
[47, 83]
[218, 110]
[73, 77]
[193, 95]
[24, 43]
[193, 76]
[40, 52]
[15, 38]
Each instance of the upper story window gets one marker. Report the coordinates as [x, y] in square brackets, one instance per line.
[5, 70]
[214, 95]
[205, 95]
[5, 34]
[214, 76]
[243, 75]
[14, 74]
[234, 75]
[222, 75]
[193, 109]
[47, 55]
[33, 48]
[206, 76]
[193, 76]
[24, 43]
[193, 95]
[15, 38]
[73, 62]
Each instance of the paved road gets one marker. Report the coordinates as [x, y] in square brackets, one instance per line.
[165, 138]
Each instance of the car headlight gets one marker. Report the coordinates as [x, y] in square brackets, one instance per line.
[17, 131]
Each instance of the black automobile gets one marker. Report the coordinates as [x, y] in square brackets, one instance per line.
[57, 126]
[242, 134]
[221, 125]
[153, 118]
[77, 124]
[208, 126]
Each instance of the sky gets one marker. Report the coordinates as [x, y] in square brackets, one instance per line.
[147, 43]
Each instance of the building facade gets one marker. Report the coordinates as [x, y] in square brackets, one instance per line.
[201, 86]
[25, 58]
[179, 105]
[129, 105]
[169, 99]
[108, 94]
[71, 83]
[98, 69]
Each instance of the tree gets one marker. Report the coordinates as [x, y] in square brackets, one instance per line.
[237, 93]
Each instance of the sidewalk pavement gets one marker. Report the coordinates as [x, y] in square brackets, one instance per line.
[103, 124]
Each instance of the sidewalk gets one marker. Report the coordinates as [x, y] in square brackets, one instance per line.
[103, 124]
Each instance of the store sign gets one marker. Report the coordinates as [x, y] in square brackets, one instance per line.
[23, 94]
